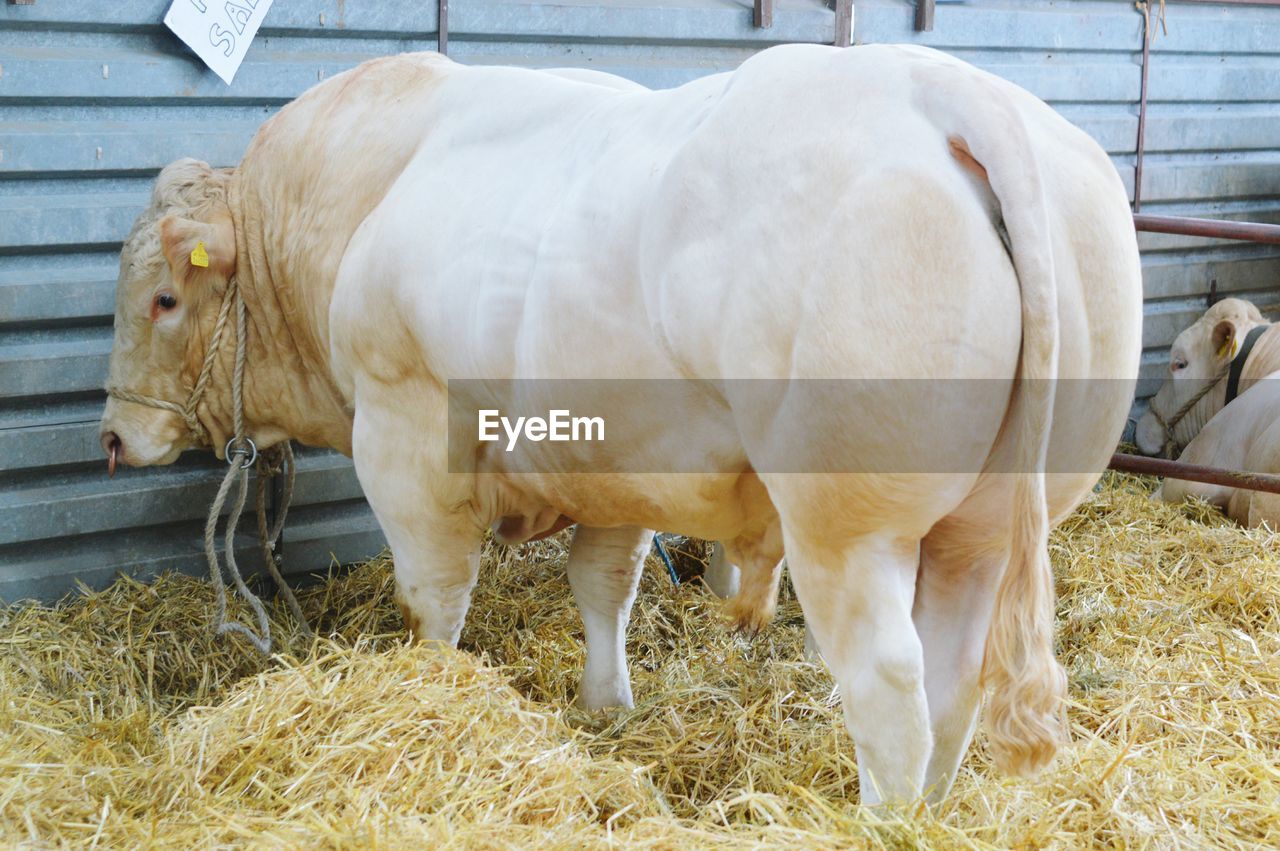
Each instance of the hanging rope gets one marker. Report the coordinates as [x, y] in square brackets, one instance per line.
[275, 462]
[1148, 34]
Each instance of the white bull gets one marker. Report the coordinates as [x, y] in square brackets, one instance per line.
[838, 212]
[1245, 435]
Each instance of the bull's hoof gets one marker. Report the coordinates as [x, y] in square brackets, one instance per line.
[747, 617]
[604, 702]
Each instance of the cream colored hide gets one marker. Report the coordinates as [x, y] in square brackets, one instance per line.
[1199, 356]
[1245, 435]
[548, 226]
[649, 211]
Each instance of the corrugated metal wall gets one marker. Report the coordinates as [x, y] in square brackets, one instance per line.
[1213, 123]
[95, 97]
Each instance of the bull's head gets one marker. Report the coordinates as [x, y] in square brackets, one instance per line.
[1198, 356]
[174, 268]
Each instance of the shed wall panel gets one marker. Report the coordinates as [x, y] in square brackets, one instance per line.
[96, 97]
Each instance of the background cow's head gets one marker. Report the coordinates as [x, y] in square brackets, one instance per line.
[1197, 357]
[166, 303]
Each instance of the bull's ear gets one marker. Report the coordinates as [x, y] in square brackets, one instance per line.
[1225, 340]
[194, 248]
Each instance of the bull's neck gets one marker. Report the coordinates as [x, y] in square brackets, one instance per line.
[1264, 359]
[1200, 413]
[289, 390]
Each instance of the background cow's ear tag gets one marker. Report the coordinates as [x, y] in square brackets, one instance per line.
[199, 256]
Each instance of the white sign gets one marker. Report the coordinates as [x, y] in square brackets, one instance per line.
[219, 31]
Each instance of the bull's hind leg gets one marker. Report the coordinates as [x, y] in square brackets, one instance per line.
[724, 580]
[758, 607]
[955, 594]
[858, 602]
[604, 570]
[760, 558]
[434, 543]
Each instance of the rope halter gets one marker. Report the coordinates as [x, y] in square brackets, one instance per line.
[1171, 445]
[1233, 371]
[241, 453]
[230, 298]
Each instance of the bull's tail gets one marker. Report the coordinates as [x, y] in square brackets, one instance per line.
[1028, 686]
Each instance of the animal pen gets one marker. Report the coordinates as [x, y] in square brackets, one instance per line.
[124, 722]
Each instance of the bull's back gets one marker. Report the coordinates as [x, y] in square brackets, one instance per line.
[798, 218]
[507, 245]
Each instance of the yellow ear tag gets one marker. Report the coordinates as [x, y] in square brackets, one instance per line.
[1228, 348]
[200, 257]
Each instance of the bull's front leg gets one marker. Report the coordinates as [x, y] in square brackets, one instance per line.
[435, 539]
[436, 565]
[604, 569]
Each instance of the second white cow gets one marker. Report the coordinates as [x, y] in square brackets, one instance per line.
[1245, 435]
[1231, 337]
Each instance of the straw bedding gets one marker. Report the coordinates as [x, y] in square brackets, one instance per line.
[122, 723]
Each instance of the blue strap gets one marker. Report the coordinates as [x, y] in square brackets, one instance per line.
[666, 559]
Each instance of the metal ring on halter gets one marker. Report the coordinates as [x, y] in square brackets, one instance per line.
[228, 453]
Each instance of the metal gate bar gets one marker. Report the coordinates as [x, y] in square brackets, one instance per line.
[1216, 228]
[1125, 463]
[1143, 465]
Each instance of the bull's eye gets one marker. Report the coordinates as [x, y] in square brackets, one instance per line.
[1179, 364]
[166, 301]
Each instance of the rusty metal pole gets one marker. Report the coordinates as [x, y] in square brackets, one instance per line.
[924, 16]
[1215, 228]
[844, 23]
[1195, 473]
[442, 28]
[763, 15]
[1140, 147]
